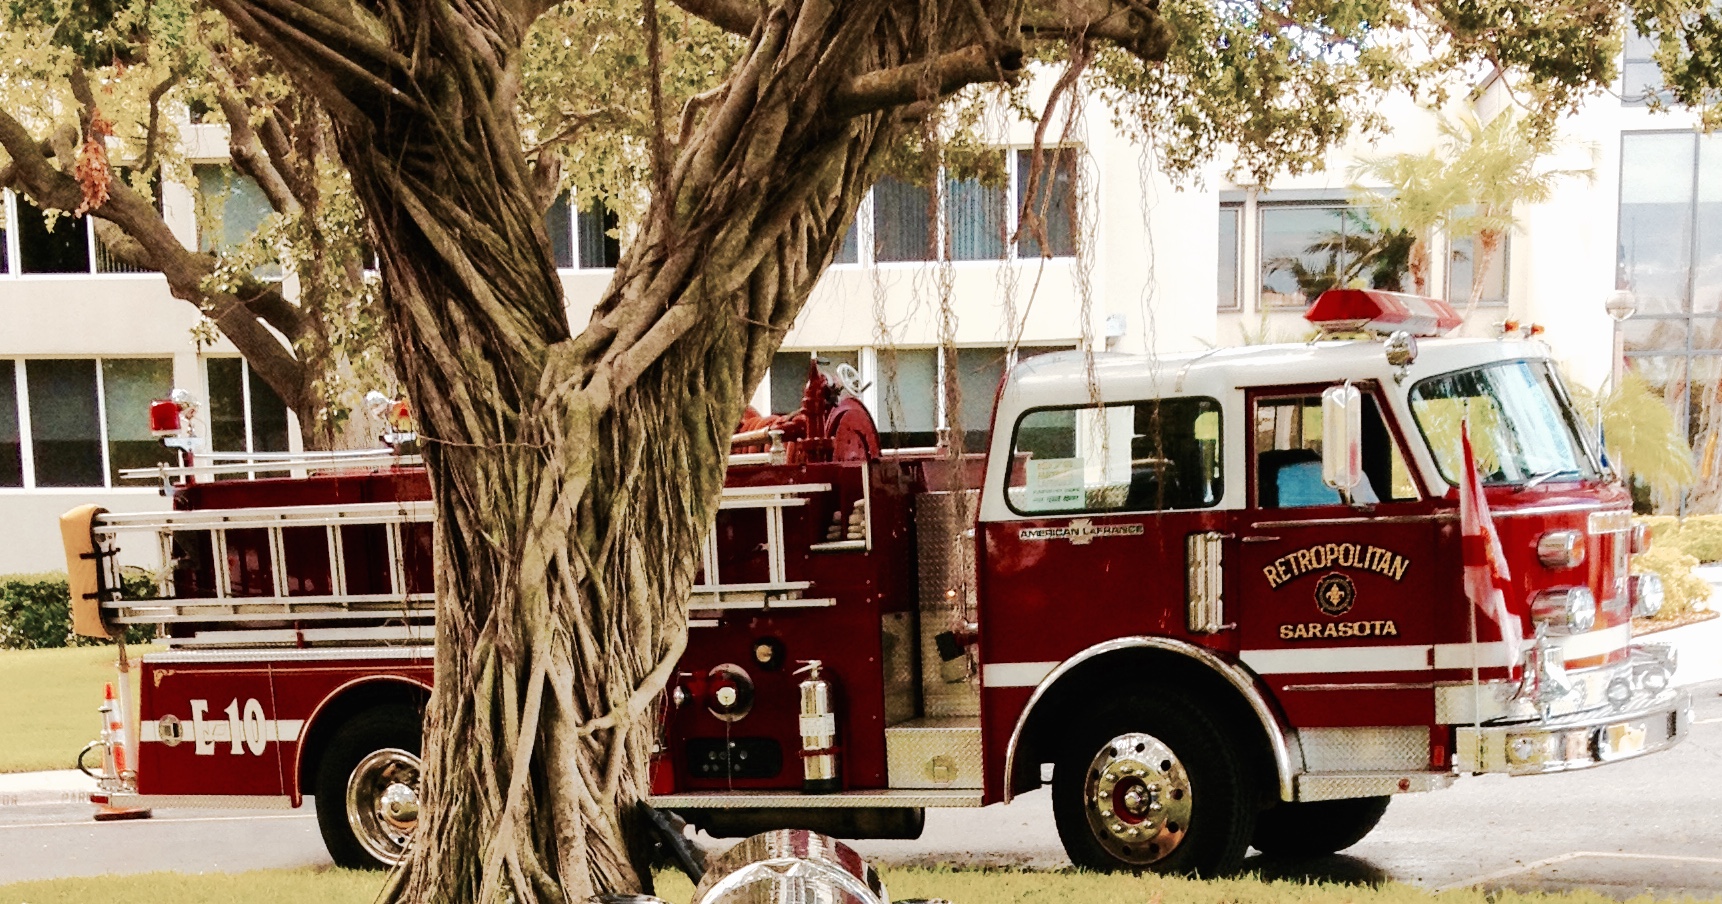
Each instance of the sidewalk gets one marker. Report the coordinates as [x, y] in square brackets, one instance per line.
[1699, 646]
[64, 786]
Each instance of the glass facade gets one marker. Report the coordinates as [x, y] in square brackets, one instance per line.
[1669, 254]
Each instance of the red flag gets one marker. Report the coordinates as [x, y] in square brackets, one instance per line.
[1486, 575]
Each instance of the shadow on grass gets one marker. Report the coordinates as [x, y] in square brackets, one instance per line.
[1336, 868]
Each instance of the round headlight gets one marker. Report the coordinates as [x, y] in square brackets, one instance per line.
[1568, 611]
[1647, 595]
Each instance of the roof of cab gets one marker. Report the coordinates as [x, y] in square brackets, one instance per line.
[1062, 378]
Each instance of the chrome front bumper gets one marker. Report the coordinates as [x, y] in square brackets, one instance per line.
[1655, 716]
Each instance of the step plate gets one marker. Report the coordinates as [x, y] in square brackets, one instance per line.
[727, 800]
[934, 753]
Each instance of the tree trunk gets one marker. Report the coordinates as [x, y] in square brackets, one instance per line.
[574, 477]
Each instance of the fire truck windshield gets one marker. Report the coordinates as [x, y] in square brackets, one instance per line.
[1523, 430]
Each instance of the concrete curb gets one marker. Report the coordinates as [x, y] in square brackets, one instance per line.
[64, 786]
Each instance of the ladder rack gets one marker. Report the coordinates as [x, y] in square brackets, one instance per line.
[284, 575]
[292, 565]
[776, 591]
[217, 464]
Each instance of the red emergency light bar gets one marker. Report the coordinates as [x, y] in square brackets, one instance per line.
[1369, 310]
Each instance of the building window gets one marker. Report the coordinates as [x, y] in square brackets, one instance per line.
[1463, 278]
[923, 392]
[909, 400]
[902, 221]
[1053, 204]
[1307, 249]
[65, 423]
[53, 242]
[583, 239]
[849, 248]
[231, 207]
[128, 387]
[598, 228]
[559, 223]
[789, 374]
[977, 218]
[1640, 76]
[245, 415]
[1230, 297]
[11, 440]
[56, 242]
[974, 219]
[88, 419]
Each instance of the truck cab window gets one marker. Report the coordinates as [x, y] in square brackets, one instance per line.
[1154, 455]
[1288, 456]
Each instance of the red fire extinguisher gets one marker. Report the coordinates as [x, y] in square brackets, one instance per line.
[818, 733]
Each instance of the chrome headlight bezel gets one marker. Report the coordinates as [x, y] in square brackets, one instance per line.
[1647, 594]
[1559, 549]
[1568, 610]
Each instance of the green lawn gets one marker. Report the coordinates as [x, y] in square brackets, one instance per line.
[48, 701]
[958, 886]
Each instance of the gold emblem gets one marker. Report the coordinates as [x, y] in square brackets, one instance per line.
[1335, 593]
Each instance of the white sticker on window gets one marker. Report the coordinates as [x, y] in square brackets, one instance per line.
[1054, 483]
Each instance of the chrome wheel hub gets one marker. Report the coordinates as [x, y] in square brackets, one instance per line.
[383, 802]
[1137, 798]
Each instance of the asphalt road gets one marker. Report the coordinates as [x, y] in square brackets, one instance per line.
[1651, 825]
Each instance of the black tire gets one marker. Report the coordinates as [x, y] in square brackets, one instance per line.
[370, 759]
[1316, 828]
[1173, 776]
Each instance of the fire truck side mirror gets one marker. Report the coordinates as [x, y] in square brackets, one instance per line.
[1342, 438]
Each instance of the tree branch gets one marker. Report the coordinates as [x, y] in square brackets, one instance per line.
[33, 173]
[1135, 25]
[152, 131]
[733, 16]
[249, 156]
[938, 77]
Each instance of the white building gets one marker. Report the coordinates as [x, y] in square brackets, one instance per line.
[1167, 268]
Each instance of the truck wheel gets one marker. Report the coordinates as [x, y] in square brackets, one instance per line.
[1150, 784]
[1315, 828]
[367, 788]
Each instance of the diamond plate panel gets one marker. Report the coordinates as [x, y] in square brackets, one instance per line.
[934, 753]
[1336, 787]
[945, 553]
[902, 675]
[1365, 749]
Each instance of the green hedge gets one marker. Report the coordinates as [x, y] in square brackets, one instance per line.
[36, 612]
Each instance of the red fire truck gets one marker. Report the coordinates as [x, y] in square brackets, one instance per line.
[1216, 600]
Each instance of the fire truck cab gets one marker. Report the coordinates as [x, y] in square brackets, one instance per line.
[1218, 600]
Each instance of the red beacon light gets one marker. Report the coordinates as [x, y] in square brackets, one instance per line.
[163, 418]
[1375, 311]
[167, 417]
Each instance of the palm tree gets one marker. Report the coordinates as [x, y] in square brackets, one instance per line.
[1466, 187]
[1419, 194]
[1497, 162]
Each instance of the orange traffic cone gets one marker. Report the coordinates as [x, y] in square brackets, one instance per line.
[114, 741]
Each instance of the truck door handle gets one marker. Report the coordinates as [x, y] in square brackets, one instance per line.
[1258, 538]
